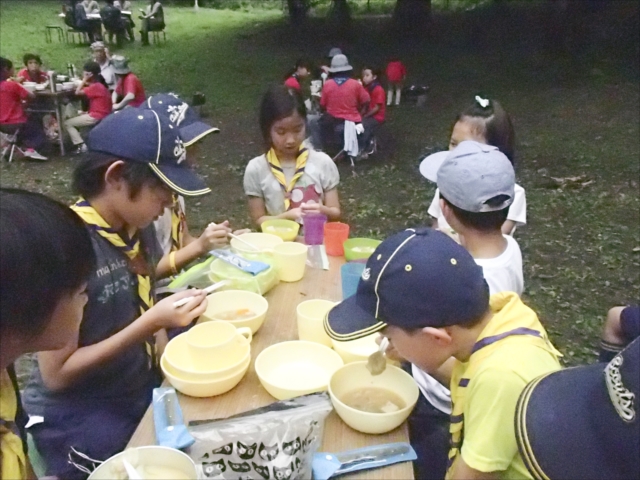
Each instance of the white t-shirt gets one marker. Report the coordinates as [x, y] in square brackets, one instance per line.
[503, 274]
[517, 210]
[163, 228]
[320, 175]
[106, 70]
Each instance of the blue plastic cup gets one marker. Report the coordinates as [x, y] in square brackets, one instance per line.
[350, 274]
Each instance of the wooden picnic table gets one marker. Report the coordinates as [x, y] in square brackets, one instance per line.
[279, 326]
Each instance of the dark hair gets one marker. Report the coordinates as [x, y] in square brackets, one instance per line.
[374, 69]
[495, 126]
[300, 63]
[31, 56]
[5, 64]
[482, 221]
[277, 103]
[46, 252]
[88, 176]
[94, 68]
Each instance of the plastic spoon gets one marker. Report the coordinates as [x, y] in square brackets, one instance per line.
[132, 473]
[208, 290]
[377, 362]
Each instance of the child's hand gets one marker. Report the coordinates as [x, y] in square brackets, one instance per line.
[214, 236]
[310, 207]
[165, 315]
[294, 214]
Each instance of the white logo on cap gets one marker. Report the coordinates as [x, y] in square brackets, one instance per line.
[179, 151]
[177, 113]
[366, 274]
[621, 397]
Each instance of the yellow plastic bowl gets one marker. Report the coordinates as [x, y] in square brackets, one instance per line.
[150, 457]
[356, 350]
[185, 366]
[355, 375]
[203, 388]
[287, 230]
[359, 248]
[291, 369]
[236, 300]
[264, 241]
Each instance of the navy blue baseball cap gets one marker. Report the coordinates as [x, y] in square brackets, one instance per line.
[417, 278]
[143, 136]
[181, 115]
[583, 422]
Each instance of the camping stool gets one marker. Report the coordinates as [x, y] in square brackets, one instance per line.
[156, 35]
[82, 36]
[9, 144]
[47, 33]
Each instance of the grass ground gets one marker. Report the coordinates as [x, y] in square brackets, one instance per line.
[574, 115]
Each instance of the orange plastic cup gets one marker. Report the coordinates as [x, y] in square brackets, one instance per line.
[335, 234]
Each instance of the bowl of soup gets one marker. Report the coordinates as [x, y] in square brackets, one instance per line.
[153, 463]
[372, 404]
[239, 307]
[291, 369]
[359, 248]
[287, 230]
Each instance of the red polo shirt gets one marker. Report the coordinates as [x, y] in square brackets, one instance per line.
[378, 97]
[396, 72]
[39, 77]
[11, 96]
[292, 82]
[131, 84]
[344, 101]
[99, 100]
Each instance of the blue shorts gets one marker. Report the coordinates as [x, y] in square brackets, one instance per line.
[630, 322]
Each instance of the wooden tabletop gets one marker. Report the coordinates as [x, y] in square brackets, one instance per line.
[279, 326]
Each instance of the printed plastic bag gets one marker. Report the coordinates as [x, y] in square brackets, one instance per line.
[276, 442]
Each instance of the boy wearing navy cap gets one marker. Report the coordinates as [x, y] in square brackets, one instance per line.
[93, 393]
[429, 297]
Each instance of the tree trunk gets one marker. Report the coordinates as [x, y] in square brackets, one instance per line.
[412, 15]
[297, 11]
[340, 12]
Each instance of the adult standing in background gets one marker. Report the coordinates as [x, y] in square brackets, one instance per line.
[152, 20]
[101, 55]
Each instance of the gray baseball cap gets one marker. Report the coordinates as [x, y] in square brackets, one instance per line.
[474, 173]
[334, 51]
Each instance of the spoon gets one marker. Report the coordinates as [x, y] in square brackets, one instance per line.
[208, 290]
[377, 362]
[248, 244]
[132, 473]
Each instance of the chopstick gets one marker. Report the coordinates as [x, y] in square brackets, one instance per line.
[208, 290]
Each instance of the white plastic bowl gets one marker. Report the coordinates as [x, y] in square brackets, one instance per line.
[291, 369]
[146, 456]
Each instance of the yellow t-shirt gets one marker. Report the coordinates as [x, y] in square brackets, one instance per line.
[501, 373]
[12, 456]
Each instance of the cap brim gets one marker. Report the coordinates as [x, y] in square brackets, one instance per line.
[340, 69]
[182, 179]
[555, 419]
[430, 165]
[121, 72]
[190, 134]
[348, 321]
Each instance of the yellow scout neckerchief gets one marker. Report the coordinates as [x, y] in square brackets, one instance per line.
[12, 458]
[512, 319]
[276, 169]
[177, 225]
[131, 248]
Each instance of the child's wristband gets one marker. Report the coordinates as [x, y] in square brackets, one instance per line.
[172, 263]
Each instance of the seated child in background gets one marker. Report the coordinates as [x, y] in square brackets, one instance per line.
[14, 118]
[375, 114]
[485, 122]
[289, 181]
[93, 393]
[33, 70]
[621, 327]
[498, 344]
[396, 74]
[129, 91]
[95, 89]
[300, 72]
[178, 246]
[476, 184]
[41, 312]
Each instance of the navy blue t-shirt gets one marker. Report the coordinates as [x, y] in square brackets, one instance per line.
[113, 305]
